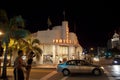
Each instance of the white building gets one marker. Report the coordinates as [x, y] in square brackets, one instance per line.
[58, 44]
[114, 42]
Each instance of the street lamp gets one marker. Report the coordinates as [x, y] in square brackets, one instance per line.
[0, 33]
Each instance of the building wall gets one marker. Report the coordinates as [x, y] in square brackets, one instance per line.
[114, 42]
[48, 36]
[58, 44]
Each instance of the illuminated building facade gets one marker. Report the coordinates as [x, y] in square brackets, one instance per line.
[114, 42]
[58, 44]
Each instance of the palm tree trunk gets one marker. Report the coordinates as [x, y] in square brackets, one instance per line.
[4, 72]
[10, 58]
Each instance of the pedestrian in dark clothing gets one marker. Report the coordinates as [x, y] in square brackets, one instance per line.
[18, 66]
[29, 64]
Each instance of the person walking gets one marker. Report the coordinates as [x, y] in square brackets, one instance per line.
[19, 64]
[29, 64]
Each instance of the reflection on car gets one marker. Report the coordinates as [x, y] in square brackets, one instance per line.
[116, 61]
[79, 66]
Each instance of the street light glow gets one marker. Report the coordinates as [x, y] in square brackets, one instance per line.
[1, 33]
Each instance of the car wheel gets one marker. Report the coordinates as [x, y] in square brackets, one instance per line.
[96, 72]
[66, 72]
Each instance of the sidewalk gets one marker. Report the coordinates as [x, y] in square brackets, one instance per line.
[44, 66]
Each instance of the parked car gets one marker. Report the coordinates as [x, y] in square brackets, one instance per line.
[116, 61]
[79, 66]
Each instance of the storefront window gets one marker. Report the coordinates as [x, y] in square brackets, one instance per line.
[48, 59]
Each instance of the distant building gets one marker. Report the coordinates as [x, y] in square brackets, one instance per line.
[114, 42]
[58, 44]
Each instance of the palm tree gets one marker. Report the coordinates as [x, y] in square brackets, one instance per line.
[29, 45]
[12, 29]
[4, 27]
[21, 41]
[32, 46]
[18, 32]
[3, 20]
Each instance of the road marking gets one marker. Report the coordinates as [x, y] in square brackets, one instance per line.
[64, 78]
[49, 75]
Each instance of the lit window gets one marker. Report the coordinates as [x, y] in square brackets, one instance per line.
[60, 40]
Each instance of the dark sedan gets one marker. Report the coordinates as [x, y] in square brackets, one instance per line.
[116, 61]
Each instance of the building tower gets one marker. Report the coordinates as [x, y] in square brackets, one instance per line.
[115, 41]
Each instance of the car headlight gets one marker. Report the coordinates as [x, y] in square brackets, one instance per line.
[115, 61]
[96, 59]
[102, 67]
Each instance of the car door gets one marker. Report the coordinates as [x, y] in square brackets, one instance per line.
[72, 66]
[84, 67]
[81, 66]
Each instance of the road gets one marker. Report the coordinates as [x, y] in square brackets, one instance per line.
[51, 74]
[113, 72]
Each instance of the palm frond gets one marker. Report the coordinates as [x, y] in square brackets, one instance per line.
[37, 51]
[35, 41]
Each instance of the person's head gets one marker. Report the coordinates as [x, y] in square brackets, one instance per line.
[31, 54]
[20, 53]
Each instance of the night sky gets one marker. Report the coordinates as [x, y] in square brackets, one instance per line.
[93, 22]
